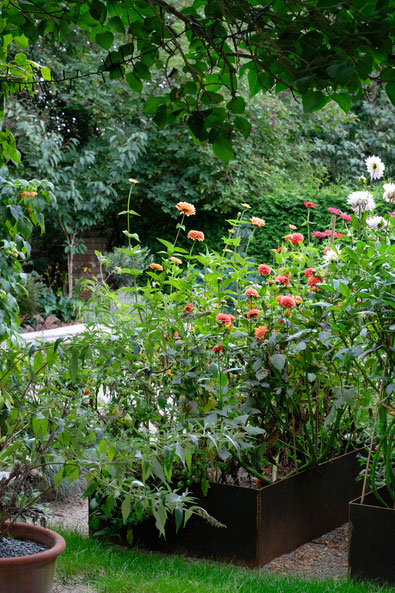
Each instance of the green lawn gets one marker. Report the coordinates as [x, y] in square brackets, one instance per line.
[107, 569]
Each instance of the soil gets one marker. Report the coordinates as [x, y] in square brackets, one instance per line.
[324, 557]
[76, 588]
[72, 514]
[38, 323]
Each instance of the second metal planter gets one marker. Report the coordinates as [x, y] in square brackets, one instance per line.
[371, 552]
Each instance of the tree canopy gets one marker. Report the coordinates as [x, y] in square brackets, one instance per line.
[319, 50]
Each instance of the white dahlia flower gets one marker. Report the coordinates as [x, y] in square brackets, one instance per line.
[331, 256]
[375, 167]
[376, 222]
[361, 201]
[389, 192]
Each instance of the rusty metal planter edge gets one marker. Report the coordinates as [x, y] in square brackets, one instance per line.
[371, 542]
[262, 524]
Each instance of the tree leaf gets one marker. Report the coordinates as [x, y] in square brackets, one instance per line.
[313, 100]
[222, 148]
[390, 90]
[45, 73]
[134, 82]
[126, 507]
[73, 368]
[278, 361]
[105, 40]
[343, 100]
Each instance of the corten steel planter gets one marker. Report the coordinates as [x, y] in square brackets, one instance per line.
[262, 524]
[371, 543]
[34, 573]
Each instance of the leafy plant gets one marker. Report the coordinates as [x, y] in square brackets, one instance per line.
[29, 297]
[117, 260]
[63, 307]
[22, 206]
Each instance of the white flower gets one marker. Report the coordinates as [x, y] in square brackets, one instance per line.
[375, 167]
[361, 201]
[331, 256]
[389, 192]
[376, 222]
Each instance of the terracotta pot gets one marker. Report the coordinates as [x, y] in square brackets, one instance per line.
[34, 573]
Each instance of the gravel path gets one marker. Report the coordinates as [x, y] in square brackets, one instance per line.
[325, 557]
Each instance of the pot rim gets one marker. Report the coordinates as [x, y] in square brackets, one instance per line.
[41, 535]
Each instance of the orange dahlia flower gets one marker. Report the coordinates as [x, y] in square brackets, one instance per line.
[260, 331]
[287, 301]
[251, 292]
[156, 267]
[253, 313]
[264, 270]
[186, 208]
[196, 235]
[217, 348]
[257, 221]
[176, 260]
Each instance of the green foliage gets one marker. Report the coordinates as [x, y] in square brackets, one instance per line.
[29, 299]
[22, 206]
[64, 308]
[287, 154]
[368, 130]
[117, 260]
[319, 54]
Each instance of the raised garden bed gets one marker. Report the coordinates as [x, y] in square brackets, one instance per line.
[262, 524]
[371, 552]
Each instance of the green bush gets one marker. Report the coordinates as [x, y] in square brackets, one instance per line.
[64, 308]
[117, 260]
[29, 299]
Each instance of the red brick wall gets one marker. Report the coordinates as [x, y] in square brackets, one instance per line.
[86, 264]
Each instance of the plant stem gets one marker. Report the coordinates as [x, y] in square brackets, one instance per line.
[365, 479]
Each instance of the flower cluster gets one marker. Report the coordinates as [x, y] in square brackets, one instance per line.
[283, 279]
